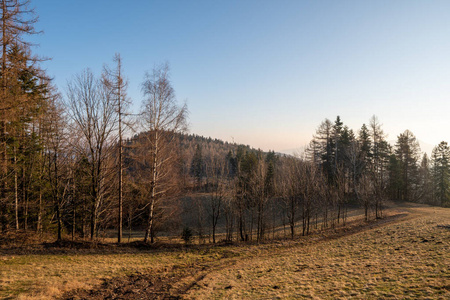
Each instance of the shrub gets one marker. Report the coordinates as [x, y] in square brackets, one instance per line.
[186, 235]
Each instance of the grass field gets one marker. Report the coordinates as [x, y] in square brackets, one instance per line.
[406, 258]
[406, 255]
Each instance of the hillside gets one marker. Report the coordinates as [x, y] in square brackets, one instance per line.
[404, 255]
[210, 147]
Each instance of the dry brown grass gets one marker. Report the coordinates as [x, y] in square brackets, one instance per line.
[405, 259]
[42, 276]
[403, 256]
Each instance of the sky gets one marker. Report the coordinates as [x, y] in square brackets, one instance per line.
[267, 73]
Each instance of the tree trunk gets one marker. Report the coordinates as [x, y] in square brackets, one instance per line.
[150, 223]
[4, 158]
[73, 222]
[119, 227]
[39, 220]
[58, 218]
[16, 190]
[148, 231]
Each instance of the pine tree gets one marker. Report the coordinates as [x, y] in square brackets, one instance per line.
[337, 147]
[379, 163]
[407, 152]
[395, 178]
[441, 173]
[198, 166]
[365, 144]
[322, 147]
[425, 182]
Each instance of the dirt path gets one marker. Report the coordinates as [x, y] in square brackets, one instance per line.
[259, 272]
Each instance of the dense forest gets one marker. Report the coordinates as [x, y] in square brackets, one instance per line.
[79, 164]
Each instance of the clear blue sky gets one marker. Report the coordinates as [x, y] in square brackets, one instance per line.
[266, 73]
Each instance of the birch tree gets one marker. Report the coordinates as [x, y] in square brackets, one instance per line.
[161, 118]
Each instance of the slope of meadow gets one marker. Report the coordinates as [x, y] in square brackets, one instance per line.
[404, 255]
[406, 258]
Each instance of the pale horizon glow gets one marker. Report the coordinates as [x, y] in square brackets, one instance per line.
[267, 73]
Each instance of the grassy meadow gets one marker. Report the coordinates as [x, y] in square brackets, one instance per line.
[406, 255]
[408, 258]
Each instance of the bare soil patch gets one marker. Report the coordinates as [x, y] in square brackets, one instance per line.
[138, 286]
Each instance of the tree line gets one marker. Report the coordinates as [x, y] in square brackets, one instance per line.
[80, 163]
[62, 156]
[258, 193]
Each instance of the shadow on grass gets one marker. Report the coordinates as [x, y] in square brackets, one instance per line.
[69, 247]
[72, 247]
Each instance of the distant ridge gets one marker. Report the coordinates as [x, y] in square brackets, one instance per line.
[211, 147]
[293, 151]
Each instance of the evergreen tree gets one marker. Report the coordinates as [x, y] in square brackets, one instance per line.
[337, 147]
[395, 178]
[231, 164]
[425, 181]
[365, 144]
[21, 90]
[198, 166]
[407, 153]
[323, 148]
[271, 159]
[441, 173]
[379, 162]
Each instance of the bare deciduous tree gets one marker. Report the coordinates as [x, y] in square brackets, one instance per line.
[161, 118]
[92, 110]
[220, 187]
[55, 141]
[115, 83]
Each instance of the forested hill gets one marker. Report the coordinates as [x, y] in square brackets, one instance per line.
[209, 148]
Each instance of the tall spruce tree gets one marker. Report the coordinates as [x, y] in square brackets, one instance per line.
[441, 173]
[379, 163]
[407, 153]
[425, 181]
[322, 148]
